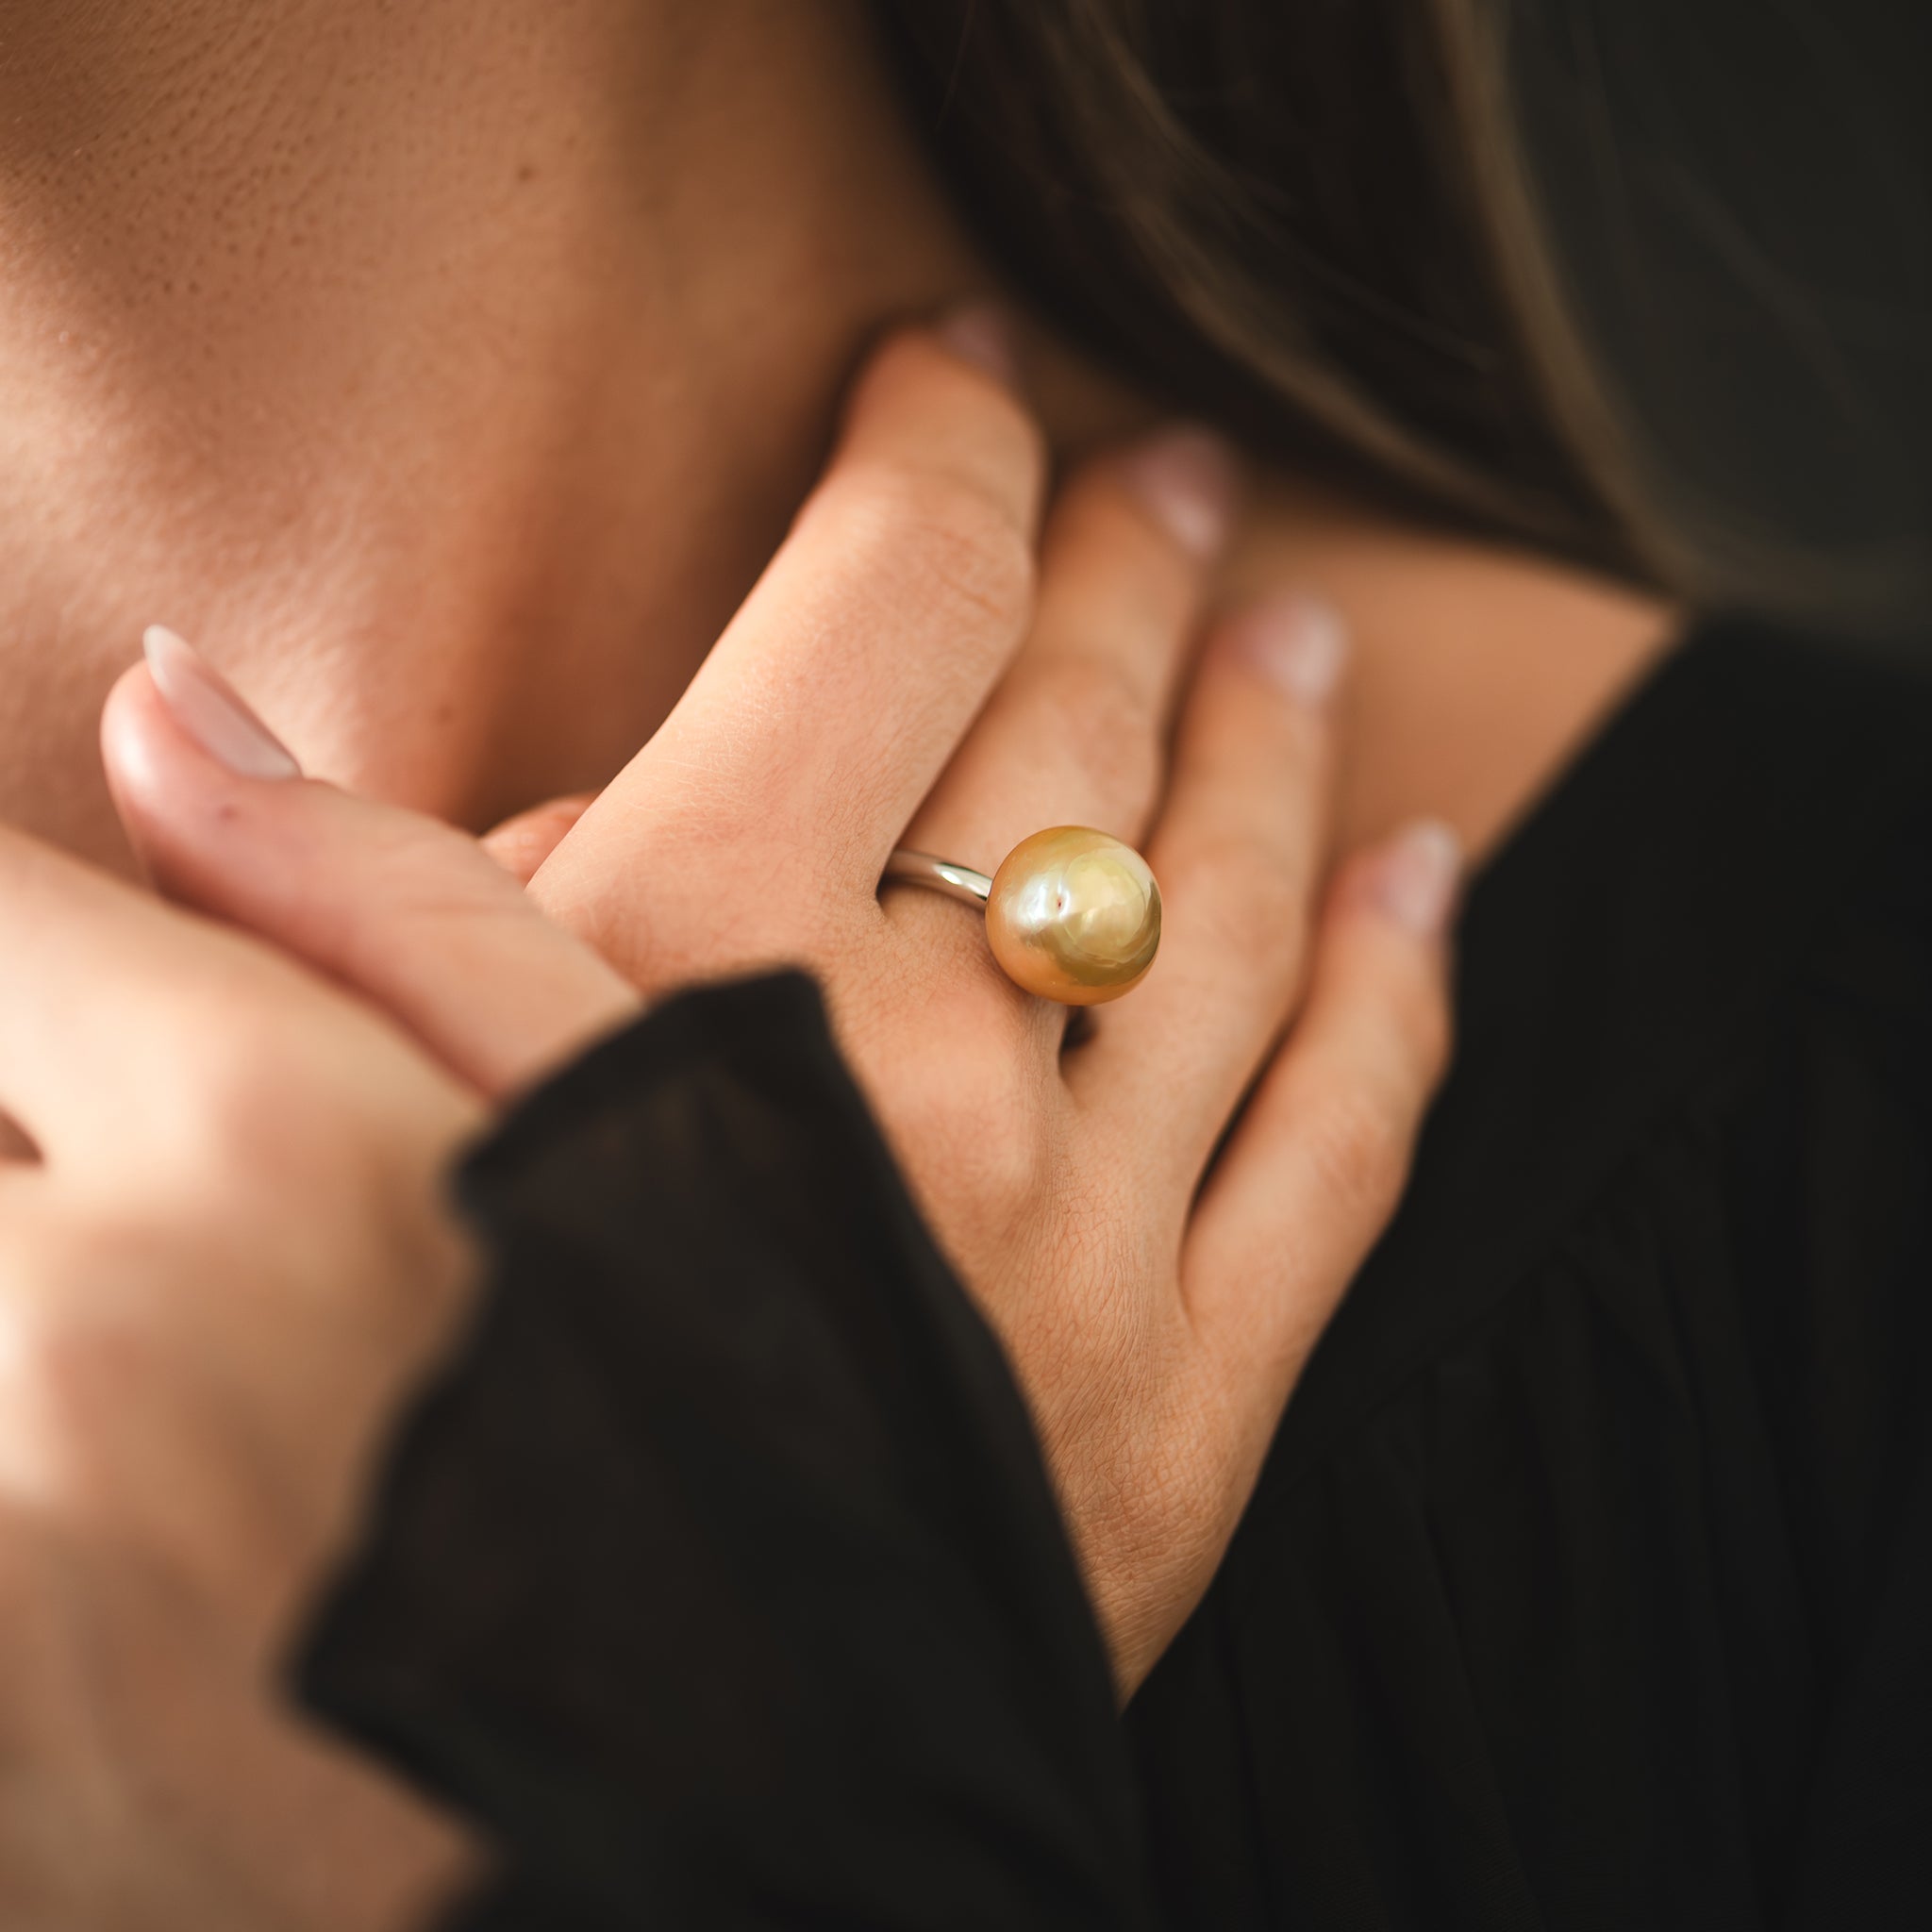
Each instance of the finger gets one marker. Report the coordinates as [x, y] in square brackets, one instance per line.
[833, 700]
[408, 912]
[108, 999]
[90, 970]
[1074, 733]
[1314, 1171]
[521, 844]
[1239, 854]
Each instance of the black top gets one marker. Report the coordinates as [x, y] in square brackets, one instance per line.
[1588, 1584]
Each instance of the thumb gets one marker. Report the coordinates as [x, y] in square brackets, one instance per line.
[407, 911]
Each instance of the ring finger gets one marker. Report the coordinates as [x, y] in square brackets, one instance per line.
[1239, 853]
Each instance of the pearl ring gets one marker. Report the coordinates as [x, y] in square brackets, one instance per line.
[1071, 914]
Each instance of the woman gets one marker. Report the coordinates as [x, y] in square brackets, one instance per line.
[1578, 1588]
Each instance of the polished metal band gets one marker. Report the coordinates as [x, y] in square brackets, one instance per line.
[941, 876]
[1071, 914]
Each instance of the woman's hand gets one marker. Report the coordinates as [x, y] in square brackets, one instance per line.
[222, 1272]
[1159, 1222]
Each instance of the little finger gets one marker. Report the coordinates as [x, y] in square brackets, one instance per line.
[1313, 1174]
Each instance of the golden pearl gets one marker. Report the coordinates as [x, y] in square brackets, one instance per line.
[1074, 916]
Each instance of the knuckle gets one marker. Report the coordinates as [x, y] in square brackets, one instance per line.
[1104, 719]
[934, 532]
[300, 1186]
[248, 1143]
[1001, 1153]
[282, 1093]
[231, 1080]
[68, 1376]
[1152, 1516]
[1360, 1147]
[977, 1120]
[1247, 896]
[235, 1036]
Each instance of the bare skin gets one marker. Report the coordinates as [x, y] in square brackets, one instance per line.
[234, 1258]
[449, 370]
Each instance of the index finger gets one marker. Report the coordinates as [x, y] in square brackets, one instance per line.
[833, 700]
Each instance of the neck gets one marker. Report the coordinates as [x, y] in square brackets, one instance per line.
[447, 369]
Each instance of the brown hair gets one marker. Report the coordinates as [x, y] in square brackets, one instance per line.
[1309, 219]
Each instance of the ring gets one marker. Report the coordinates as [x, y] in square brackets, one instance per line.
[1071, 914]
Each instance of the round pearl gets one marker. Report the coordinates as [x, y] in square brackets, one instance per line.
[1074, 916]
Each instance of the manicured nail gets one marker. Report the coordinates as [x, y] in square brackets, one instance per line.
[1189, 482]
[1417, 880]
[1298, 643]
[981, 333]
[210, 710]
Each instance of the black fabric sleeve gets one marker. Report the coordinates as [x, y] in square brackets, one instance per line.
[718, 1578]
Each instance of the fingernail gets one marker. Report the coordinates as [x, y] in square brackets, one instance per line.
[210, 710]
[1416, 882]
[1298, 643]
[1189, 481]
[981, 333]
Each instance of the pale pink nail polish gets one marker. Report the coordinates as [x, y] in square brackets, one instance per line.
[211, 711]
[1297, 642]
[1189, 482]
[1417, 881]
[981, 333]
